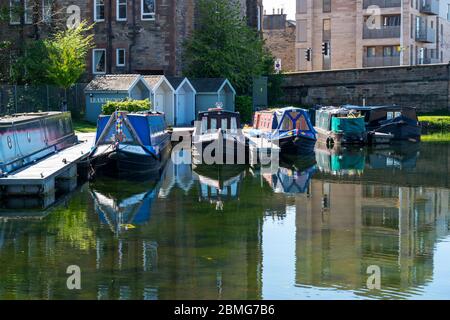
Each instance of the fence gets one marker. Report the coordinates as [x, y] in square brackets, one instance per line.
[26, 98]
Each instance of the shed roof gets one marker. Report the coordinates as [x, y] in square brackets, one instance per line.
[208, 84]
[113, 82]
[175, 81]
[152, 81]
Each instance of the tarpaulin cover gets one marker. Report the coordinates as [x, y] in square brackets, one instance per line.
[348, 125]
[347, 162]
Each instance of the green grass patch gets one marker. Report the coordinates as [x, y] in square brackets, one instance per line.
[436, 120]
[437, 138]
[82, 126]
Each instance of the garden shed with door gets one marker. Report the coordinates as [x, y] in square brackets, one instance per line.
[213, 92]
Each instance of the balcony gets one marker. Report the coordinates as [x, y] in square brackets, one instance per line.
[372, 62]
[382, 3]
[427, 60]
[429, 7]
[427, 35]
[381, 33]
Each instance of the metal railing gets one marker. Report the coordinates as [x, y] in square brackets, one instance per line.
[381, 33]
[371, 62]
[427, 60]
[382, 3]
[429, 7]
[26, 98]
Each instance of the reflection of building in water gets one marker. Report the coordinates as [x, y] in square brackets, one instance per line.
[344, 228]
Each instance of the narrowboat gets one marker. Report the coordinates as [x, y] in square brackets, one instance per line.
[131, 143]
[339, 126]
[289, 128]
[29, 137]
[400, 122]
[218, 138]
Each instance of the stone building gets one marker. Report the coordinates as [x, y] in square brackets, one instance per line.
[279, 34]
[131, 36]
[372, 33]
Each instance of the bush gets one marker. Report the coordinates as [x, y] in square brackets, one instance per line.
[128, 105]
[244, 105]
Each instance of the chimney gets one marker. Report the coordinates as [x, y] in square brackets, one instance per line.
[273, 10]
[282, 10]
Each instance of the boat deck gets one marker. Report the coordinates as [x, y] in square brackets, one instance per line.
[40, 177]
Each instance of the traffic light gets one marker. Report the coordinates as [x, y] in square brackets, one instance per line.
[308, 54]
[326, 48]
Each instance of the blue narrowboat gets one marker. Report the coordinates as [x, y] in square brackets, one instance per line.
[131, 142]
[290, 128]
[29, 137]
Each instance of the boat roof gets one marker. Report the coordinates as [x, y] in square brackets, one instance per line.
[282, 110]
[141, 113]
[219, 110]
[369, 108]
[23, 117]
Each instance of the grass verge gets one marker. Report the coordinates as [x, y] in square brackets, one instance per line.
[436, 138]
[82, 126]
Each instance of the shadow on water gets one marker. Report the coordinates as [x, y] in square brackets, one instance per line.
[309, 228]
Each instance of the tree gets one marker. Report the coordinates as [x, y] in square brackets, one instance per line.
[224, 46]
[67, 51]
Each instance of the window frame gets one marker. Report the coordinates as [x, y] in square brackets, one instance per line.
[46, 14]
[28, 12]
[93, 61]
[152, 15]
[95, 11]
[118, 4]
[11, 22]
[124, 57]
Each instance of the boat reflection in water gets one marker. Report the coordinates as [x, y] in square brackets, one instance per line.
[123, 205]
[401, 156]
[341, 162]
[292, 176]
[219, 183]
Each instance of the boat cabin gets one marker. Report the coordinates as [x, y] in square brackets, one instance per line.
[282, 119]
[374, 115]
[218, 118]
[340, 120]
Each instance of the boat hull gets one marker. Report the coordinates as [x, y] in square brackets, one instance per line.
[232, 152]
[333, 139]
[119, 163]
[297, 144]
[401, 131]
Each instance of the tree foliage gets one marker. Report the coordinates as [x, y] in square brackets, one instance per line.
[224, 46]
[67, 51]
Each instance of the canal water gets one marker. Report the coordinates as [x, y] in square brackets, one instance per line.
[311, 228]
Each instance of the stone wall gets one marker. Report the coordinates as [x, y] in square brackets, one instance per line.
[423, 87]
[281, 43]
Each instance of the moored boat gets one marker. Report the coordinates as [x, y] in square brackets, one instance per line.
[29, 137]
[131, 142]
[218, 138]
[290, 128]
[400, 122]
[339, 126]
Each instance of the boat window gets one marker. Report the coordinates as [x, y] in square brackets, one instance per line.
[224, 124]
[301, 124]
[390, 115]
[398, 114]
[213, 123]
[233, 124]
[204, 124]
[287, 124]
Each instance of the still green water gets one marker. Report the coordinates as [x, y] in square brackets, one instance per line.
[306, 230]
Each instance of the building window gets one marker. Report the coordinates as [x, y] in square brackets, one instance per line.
[99, 10]
[14, 11]
[371, 52]
[28, 11]
[47, 11]
[98, 61]
[120, 57]
[448, 12]
[148, 9]
[121, 10]
[391, 51]
[301, 30]
[326, 26]
[391, 21]
[301, 6]
[326, 5]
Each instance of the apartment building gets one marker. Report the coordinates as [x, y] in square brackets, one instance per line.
[131, 36]
[371, 33]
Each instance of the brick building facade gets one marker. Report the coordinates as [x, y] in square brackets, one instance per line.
[131, 36]
[279, 34]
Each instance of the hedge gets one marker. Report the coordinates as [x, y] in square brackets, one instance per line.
[128, 105]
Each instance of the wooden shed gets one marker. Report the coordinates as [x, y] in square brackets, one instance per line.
[162, 96]
[184, 99]
[113, 87]
[213, 92]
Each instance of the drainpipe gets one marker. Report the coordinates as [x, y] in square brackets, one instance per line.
[109, 37]
[132, 36]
